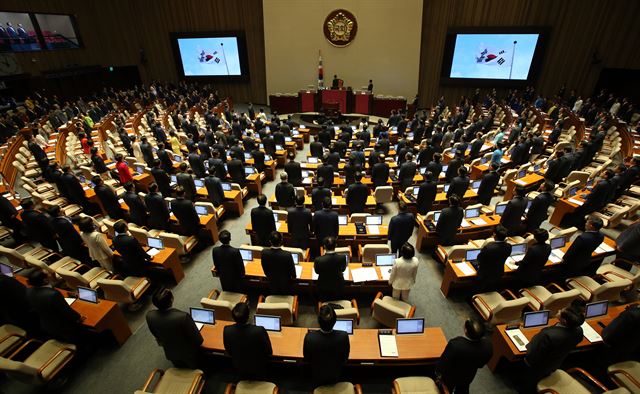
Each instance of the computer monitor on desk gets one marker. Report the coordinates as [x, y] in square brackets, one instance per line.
[199, 183]
[203, 316]
[247, 255]
[312, 160]
[177, 158]
[446, 187]
[500, 208]
[140, 169]
[88, 295]
[436, 216]
[522, 173]
[410, 326]
[476, 184]
[471, 213]
[373, 220]
[518, 249]
[247, 156]
[472, 255]
[385, 260]
[558, 242]
[305, 174]
[535, 319]
[296, 258]
[6, 270]
[416, 190]
[226, 186]
[201, 211]
[345, 325]
[155, 243]
[596, 309]
[249, 170]
[444, 168]
[573, 191]
[270, 323]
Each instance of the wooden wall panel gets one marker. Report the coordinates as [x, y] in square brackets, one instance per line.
[114, 31]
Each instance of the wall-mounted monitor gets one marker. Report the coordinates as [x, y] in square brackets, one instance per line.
[502, 56]
[17, 33]
[58, 31]
[211, 55]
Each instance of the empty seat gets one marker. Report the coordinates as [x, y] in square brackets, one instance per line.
[383, 194]
[42, 365]
[10, 338]
[349, 309]
[414, 385]
[74, 279]
[174, 381]
[222, 303]
[496, 309]
[541, 298]
[284, 306]
[592, 291]
[339, 388]
[251, 387]
[128, 291]
[386, 310]
[626, 374]
[181, 243]
[561, 382]
[368, 252]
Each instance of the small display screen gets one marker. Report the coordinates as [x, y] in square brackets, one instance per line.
[410, 326]
[270, 323]
[385, 259]
[88, 295]
[536, 319]
[155, 243]
[205, 316]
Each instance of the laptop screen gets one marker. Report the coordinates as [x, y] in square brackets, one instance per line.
[446, 187]
[247, 156]
[312, 160]
[155, 243]
[518, 249]
[201, 211]
[226, 186]
[140, 169]
[436, 216]
[287, 139]
[270, 323]
[444, 168]
[595, 309]
[522, 173]
[177, 158]
[472, 254]
[383, 260]
[275, 217]
[205, 316]
[373, 220]
[342, 220]
[199, 183]
[535, 319]
[500, 208]
[423, 170]
[278, 147]
[174, 179]
[558, 242]
[6, 270]
[88, 295]
[476, 184]
[249, 170]
[305, 174]
[416, 190]
[410, 326]
[247, 255]
[296, 258]
[573, 191]
[472, 213]
[345, 325]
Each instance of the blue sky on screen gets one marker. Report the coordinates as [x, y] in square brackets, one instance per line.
[191, 50]
[468, 48]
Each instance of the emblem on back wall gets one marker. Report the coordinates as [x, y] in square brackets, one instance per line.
[340, 28]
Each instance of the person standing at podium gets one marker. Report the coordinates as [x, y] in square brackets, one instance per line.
[335, 83]
[370, 86]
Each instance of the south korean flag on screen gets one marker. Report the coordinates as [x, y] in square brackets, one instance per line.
[214, 60]
[488, 56]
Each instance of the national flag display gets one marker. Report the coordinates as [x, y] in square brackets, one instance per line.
[491, 57]
[320, 72]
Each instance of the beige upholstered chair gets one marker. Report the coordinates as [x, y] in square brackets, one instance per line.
[41, 366]
[349, 309]
[282, 214]
[358, 217]
[128, 291]
[222, 303]
[89, 279]
[10, 338]
[414, 385]
[339, 388]
[17, 256]
[383, 194]
[592, 291]
[386, 310]
[181, 243]
[626, 374]
[561, 382]
[496, 309]
[613, 273]
[541, 297]
[251, 387]
[279, 305]
[66, 263]
[301, 253]
[368, 252]
[612, 215]
[173, 381]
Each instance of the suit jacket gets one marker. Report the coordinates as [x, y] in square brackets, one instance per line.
[452, 168]
[380, 174]
[578, 257]
[316, 149]
[14, 306]
[178, 335]
[236, 171]
[135, 258]
[597, 198]
[197, 165]
[461, 359]
[162, 180]
[158, 211]
[538, 211]
[263, 223]
[250, 349]
[326, 352]
[357, 194]
[448, 223]
[548, 348]
[530, 267]
[285, 194]
[294, 170]
[230, 267]
[318, 195]
[165, 160]
[279, 269]
[68, 237]
[258, 160]
[57, 318]
[147, 153]
[186, 181]
[325, 224]
[137, 209]
[476, 146]
[487, 187]
[214, 190]
[621, 335]
[98, 164]
[73, 187]
[512, 215]
[300, 224]
[7, 211]
[458, 186]
[330, 278]
[325, 171]
[406, 174]
[185, 212]
[38, 226]
[491, 263]
[426, 196]
[400, 229]
[553, 170]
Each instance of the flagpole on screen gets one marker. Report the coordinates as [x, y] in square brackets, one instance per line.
[225, 58]
[513, 54]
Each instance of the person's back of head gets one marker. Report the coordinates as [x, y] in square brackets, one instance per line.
[55, 211]
[183, 167]
[37, 278]
[240, 313]
[541, 235]
[454, 200]
[521, 191]
[326, 203]
[402, 206]
[358, 176]
[500, 233]
[284, 177]
[162, 299]
[594, 223]
[85, 225]
[407, 251]
[474, 329]
[120, 227]
[326, 318]
[179, 191]
[128, 186]
[329, 244]
[224, 237]
[571, 318]
[275, 238]
[262, 200]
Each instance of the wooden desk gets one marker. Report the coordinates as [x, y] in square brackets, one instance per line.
[430, 238]
[209, 222]
[563, 207]
[288, 345]
[167, 258]
[529, 181]
[338, 202]
[440, 202]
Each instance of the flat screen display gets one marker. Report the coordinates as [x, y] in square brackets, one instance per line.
[345, 325]
[383, 260]
[17, 33]
[410, 326]
[535, 319]
[558, 242]
[472, 254]
[247, 255]
[270, 323]
[595, 309]
[58, 31]
[205, 316]
[6, 270]
[88, 295]
[155, 243]
[220, 55]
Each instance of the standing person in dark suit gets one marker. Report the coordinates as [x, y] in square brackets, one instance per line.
[316, 148]
[621, 335]
[512, 215]
[449, 221]
[426, 194]
[161, 178]
[453, 166]
[214, 188]
[330, 268]
[553, 167]
[185, 212]
[285, 192]
[401, 227]
[491, 260]
[578, 258]
[175, 331]
[319, 193]
[293, 170]
[14, 306]
[248, 345]
[38, 225]
[325, 222]
[278, 266]
[476, 146]
[407, 172]
[9, 218]
[326, 350]
[98, 163]
[158, 211]
[236, 171]
[228, 263]
[262, 221]
[530, 267]
[108, 199]
[73, 187]
[38, 153]
[185, 180]
[548, 349]
[197, 163]
[258, 157]
[356, 195]
[539, 209]
[326, 172]
[137, 210]
[68, 236]
[435, 166]
[165, 158]
[300, 224]
[463, 356]
[135, 259]
[380, 172]
[459, 184]
[487, 187]
[147, 151]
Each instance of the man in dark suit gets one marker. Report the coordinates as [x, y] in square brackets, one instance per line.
[98, 163]
[490, 264]
[325, 222]
[135, 259]
[476, 146]
[228, 263]
[38, 225]
[217, 164]
[214, 188]
[594, 201]
[435, 166]
[463, 356]
[137, 210]
[553, 168]
[161, 178]
[262, 221]
[14, 306]
[316, 148]
[175, 331]
[407, 172]
[538, 211]
[548, 349]
[449, 221]
[9, 218]
[108, 199]
[319, 193]
[326, 350]
[577, 260]
[293, 170]
[380, 172]
[147, 151]
[487, 187]
[73, 187]
[248, 345]
[158, 211]
[285, 192]
[401, 227]
[453, 166]
[300, 224]
[184, 210]
[278, 266]
[326, 172]
[621, 335]
[68, 236]
[459, 184]
[197, 163]
[185, 180]
[258, 157]
[165, 158]
[530, 267]
[356, 195]
[426, 194]
[330, 268]
[513, 212]
[236, 171]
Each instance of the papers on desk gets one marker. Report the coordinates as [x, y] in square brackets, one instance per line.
[518, 339]
[604, 248]
[85, 188]
[364, 274]
[199, 326]
[18, 207]
[589, 333]
[557, 252]
[152, 252]
[385, 272]
[466, 268]
[278, 226]
[298, 271]
[520, 182]
[555, 259]
[511, 264]
[504, 161]
[388, 345]
[120, 201]
[464, 223]
[345, 274]
[577, 202]
[307, 181]
[478, 222]
[373, 229]
[69, 300]
[314, 274]
[334, 201]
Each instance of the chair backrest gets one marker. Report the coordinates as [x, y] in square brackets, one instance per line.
[297, 251]
[14, 257]
[72, 278]
[386, 313]
[36, 263]
[383, 194]
[370, 251]
[560, 300]
[459, 252]
[116, 290]
[174, 241]
[610, 290]
[19, 370]
[223, 308]
[139, 234]
[282, 214]
[580, 176]
[281, 309]
[509, 310]
[358, 217]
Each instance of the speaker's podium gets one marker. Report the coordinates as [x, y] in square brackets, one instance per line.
[363, 103]
[332, 96]
[307, 100]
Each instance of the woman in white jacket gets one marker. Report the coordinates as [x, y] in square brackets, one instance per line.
[403, 272]
[96, 243]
